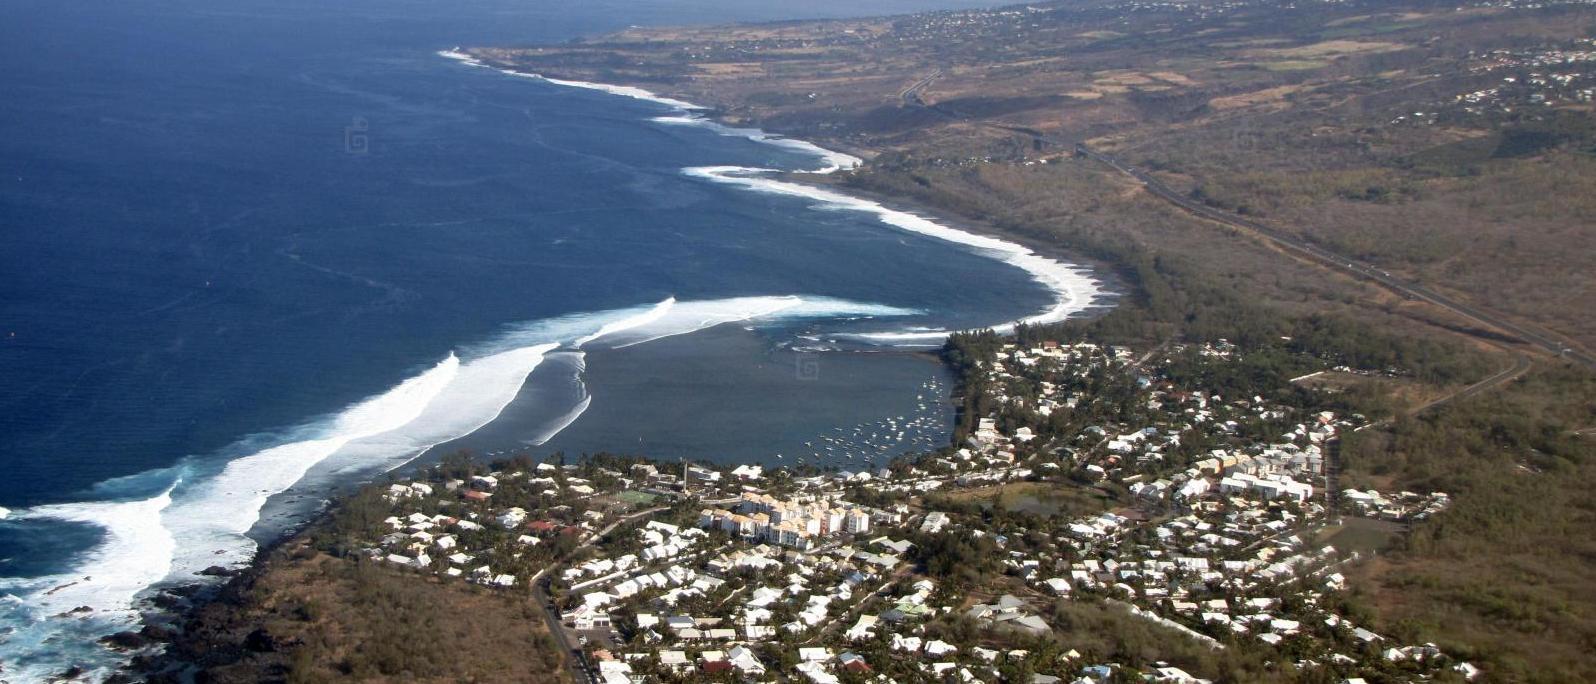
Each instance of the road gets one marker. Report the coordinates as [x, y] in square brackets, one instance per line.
[1332, 475]
[911, 94]
[1332, 461]
[1520, 366]
[1290, 243]
[574, 656]
[1345, 264]
[580, 671]
[611, 527]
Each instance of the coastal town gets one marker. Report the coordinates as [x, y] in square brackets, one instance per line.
[943, 341]
[1092, 478]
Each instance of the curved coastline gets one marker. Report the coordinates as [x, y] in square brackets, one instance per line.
[1075, 288]
[203, 520]
[199, 528]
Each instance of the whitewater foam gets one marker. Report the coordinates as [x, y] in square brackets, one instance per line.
[563, 422]
[211, 520]
[204, 521]
[623, 91]
[1073, 287]
[577, 361]
[835, 161]
[195, 524]
[135, 552]
[694, 316]
[687, 114]
[45, 612]
[652, 315]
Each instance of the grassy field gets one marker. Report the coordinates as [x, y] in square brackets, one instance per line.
[1361, 535]
[1047, 499]
[637, 498]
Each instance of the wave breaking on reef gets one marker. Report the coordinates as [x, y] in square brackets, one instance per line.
[1073, 287]
[203, 515]
[200, 513]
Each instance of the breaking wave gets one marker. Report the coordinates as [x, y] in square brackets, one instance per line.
[203, 516]
[687, 114]
[202, 519]
[623, 91]
[835, 161]
[134, 552]
[1073, 287]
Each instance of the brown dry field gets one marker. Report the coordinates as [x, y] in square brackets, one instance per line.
[336, 619]
[1286, 117]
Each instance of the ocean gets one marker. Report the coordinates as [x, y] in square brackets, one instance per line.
[253, 253]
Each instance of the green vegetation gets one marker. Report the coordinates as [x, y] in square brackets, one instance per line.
[1505, 574]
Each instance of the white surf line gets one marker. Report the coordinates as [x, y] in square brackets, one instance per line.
[1072, 286]
[696, 316]
[204, 522]
[211, 519]
[492, 383]
[835, 161]
[688, 317]
[659, 311]
[42, 613]
[565, 421]
[623, 91]
[135, 553]
[687, 114]
[493, 378]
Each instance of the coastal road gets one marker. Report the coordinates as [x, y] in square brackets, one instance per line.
[1297, 245]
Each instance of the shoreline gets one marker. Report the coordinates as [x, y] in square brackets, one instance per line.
[1107, 277]
[1111, 282]
[1106, 291]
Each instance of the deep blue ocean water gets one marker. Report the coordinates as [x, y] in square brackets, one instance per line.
[225, 224]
